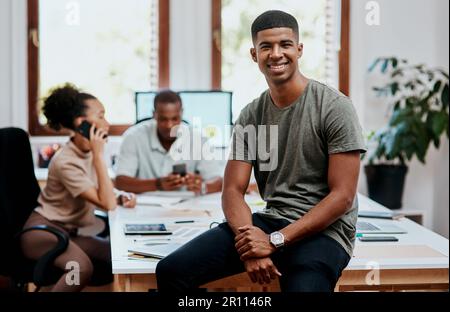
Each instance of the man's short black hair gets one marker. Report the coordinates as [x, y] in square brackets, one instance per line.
[167, 97]
[274, 19]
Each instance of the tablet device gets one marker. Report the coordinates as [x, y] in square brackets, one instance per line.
[146, 229]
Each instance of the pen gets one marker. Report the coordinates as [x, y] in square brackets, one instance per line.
[184, 221]
[183, 200]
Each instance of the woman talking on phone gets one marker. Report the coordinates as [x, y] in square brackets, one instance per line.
[77, 182]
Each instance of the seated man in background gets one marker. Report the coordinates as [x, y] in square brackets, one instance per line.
[150, 150]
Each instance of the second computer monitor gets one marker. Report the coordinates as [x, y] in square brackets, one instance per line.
[210, 110]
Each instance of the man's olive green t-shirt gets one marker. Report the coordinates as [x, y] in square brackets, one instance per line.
[289, 149]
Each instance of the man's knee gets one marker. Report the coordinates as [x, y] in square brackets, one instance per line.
[169, 266]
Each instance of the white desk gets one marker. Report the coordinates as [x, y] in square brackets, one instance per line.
[418, 261]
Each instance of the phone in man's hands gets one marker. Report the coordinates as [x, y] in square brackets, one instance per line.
[180, 169]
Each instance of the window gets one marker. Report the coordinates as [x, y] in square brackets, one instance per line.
[110, 48]
[324, 32]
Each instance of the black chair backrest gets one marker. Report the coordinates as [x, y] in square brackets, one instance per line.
[19, 189]
[151, 118]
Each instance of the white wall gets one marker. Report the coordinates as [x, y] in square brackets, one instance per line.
[13, 63]
[190, 44]
[5, 55]
[418, 31]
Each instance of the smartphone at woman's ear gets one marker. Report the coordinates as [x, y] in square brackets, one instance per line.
[85, 130]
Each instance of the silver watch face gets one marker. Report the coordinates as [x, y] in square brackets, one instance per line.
[277, 239]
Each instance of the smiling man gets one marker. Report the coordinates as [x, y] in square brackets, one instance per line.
[305, 236]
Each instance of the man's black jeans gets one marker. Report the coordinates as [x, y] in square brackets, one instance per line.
[313, 264]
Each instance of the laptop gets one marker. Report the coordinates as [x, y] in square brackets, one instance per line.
[158, 251]
[365, 227]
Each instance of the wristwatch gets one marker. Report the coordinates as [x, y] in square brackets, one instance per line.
[277, 239]
[203, 189]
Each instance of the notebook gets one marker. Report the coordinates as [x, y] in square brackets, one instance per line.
[155, 251]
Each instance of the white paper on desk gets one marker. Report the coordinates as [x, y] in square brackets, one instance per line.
[182, 194]
[157, 200]
[181, 236]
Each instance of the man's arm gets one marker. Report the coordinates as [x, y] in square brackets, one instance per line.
[343, 172]
[214, 185]
[236, 179]
[135, 185]
[172, 182]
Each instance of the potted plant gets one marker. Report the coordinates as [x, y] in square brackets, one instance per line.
[418, 117]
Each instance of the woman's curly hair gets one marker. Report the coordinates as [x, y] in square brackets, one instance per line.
[63, 105]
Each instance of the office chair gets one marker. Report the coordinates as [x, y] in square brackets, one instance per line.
[151, 118]
[19, 191]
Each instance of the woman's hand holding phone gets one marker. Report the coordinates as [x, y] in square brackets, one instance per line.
[97, 140]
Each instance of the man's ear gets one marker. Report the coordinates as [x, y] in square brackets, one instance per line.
[253, 54]
[300, 50]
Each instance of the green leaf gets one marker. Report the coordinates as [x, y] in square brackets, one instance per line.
[422, 142]
[441, 123]
[394, 62]
[409, 151]
[385, 66]
[394, 88]
[437, 87]
[444, 73]
[436, 142]
[392, 144]
[374, 64]
[436, 122]
[444, 96]
[400, 115]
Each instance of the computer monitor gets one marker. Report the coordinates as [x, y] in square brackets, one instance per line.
[210, 110]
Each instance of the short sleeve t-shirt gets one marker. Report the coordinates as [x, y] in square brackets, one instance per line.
[289, 150]
[142, 155]
[71, 173]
